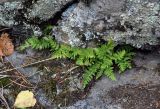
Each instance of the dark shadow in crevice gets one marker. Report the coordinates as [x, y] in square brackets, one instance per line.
[57, 16]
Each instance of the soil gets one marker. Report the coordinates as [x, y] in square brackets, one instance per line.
[48, 83]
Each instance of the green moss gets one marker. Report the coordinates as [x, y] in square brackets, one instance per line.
[4, 81]
[49, 87]
[65, 97]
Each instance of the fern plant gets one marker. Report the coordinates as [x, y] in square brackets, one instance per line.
[97, 61]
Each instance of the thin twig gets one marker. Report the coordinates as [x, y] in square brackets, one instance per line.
[11, 82]
[5, 76]
[3, 99]
[69, 70]
[34, 73]
[20, 84]
[24, 79]
[26, 65]
[4, 29]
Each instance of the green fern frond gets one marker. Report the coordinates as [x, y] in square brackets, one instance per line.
[109, 73]
[123, 65]
[123, 60]
[88, 53]
[90, 73]
[62, 52]
[85, 56]
[47, 30]
[107, 67]
[80, 61]
[98, 61]
[39, 44]
[110, 45]
[99, 74]
[75, 52]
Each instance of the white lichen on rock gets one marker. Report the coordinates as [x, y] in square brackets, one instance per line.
[134, 22]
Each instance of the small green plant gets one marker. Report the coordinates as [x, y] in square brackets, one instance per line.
[97, 61]
[39, 44]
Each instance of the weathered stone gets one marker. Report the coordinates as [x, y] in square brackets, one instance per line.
[45, 9]
[28, 14]
[142, 75]
[8, 11]
[134, 22]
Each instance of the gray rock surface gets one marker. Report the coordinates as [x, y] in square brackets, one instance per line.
[25, 16]
[8, 11]
[134, 22]
[145, 72]
[43, 78]
[45, 9]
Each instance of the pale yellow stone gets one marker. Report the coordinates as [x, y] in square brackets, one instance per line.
[25, 99]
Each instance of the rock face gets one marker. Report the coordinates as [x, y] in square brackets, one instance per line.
[25, 16]
[9, 11]
[45, 9]
[134, 22]
[108, 94]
